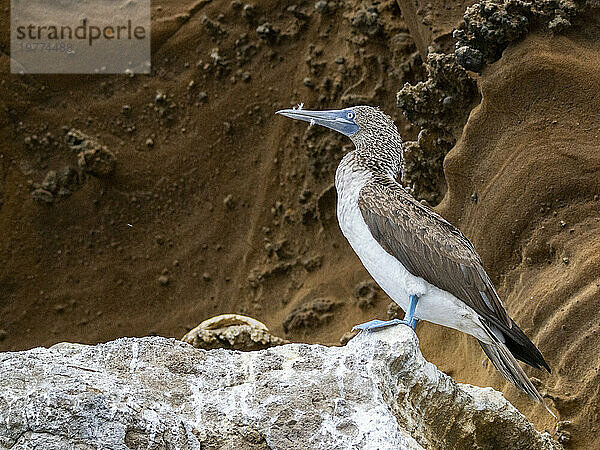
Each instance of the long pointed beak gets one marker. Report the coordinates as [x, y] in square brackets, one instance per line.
[335, 119]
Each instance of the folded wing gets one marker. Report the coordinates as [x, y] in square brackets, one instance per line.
[431, 248]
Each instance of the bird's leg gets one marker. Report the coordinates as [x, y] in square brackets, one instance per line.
[409, 319]
[409, 316]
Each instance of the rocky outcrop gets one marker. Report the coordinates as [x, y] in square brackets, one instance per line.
[440, 106]
[490, 26]
[92, 157]
[151, 393]
[234, 332]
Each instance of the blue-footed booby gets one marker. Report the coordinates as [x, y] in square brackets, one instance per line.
[424, 263]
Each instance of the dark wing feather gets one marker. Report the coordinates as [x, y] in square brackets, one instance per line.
[431, 248]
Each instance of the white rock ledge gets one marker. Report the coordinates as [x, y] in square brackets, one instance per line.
[154, 393]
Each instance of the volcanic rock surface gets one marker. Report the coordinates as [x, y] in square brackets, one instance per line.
[376, 392]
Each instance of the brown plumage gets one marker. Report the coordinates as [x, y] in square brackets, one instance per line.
[431, 248]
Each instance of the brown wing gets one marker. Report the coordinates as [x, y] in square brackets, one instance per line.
[431, 248]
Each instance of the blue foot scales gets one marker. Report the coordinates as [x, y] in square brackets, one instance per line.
[374, 325]
[409, 319]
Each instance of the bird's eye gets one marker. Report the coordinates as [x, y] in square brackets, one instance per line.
[350, 115]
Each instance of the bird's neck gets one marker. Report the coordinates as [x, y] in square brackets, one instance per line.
[380, 153]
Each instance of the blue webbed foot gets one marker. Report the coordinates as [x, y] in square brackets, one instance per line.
[409, 319]
[374, 325]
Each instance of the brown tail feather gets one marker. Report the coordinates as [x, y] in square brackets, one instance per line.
[508, 366]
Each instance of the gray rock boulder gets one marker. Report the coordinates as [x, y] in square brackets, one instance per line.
[157, 393]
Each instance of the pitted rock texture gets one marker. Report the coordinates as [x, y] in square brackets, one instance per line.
[490, 26]
[422, 165]
[376, 392]
[440, 105]
[444, 100]
[92, 157]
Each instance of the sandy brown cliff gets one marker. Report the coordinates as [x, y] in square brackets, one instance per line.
[529, 153]
[217, 206]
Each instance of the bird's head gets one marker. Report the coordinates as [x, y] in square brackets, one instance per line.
[355, 122]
